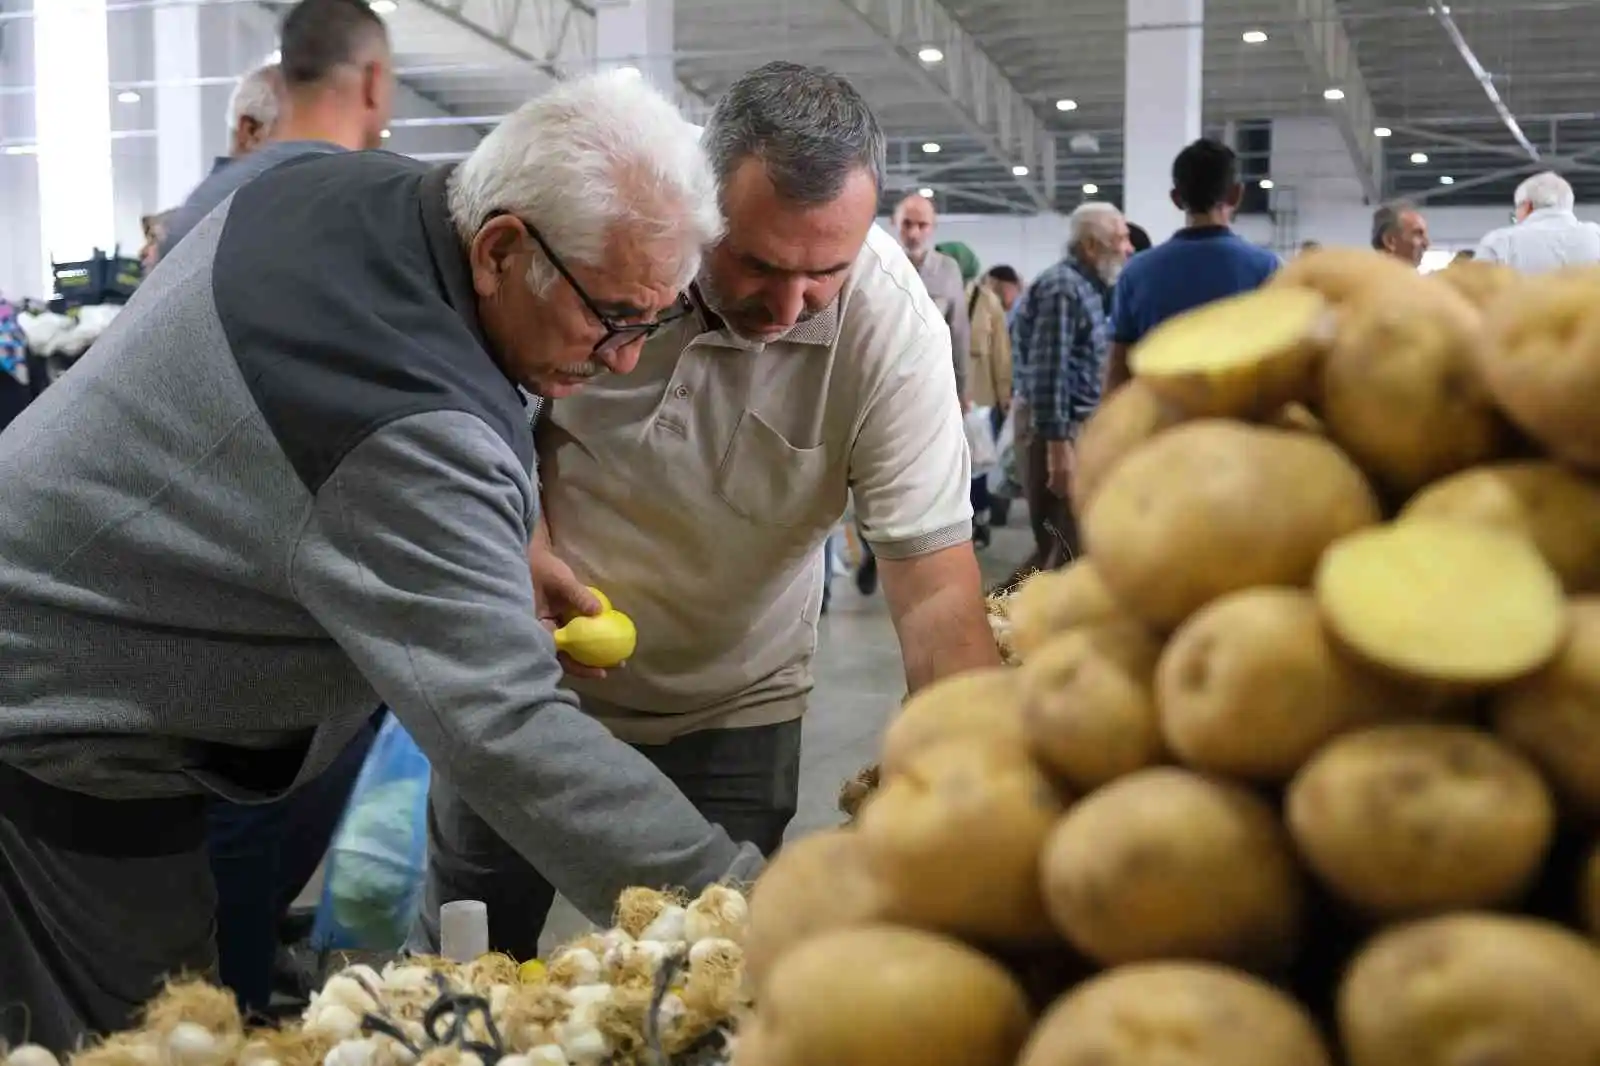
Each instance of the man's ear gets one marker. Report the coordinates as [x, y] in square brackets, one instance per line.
[493, 252]
[1177, 201]
[1235, 194]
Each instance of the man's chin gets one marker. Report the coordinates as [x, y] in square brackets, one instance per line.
[557, 386]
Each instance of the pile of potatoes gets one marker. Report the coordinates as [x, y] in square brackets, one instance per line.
[1302, 762]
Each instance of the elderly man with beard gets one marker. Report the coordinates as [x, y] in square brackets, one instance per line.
[1060, 340]
[698, 491]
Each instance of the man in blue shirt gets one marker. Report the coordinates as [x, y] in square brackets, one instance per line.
[1204, 261]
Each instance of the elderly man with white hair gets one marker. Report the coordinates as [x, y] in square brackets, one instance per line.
[1061, 338]
[235, 528]
[1545, 235]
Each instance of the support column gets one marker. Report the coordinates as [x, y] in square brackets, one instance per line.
[1162, 110]
[639, 34]
[180, 136]
[72, 129]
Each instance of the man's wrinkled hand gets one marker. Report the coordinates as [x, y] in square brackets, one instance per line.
[561, 597]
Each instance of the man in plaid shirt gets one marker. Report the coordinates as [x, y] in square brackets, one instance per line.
[1060, 338]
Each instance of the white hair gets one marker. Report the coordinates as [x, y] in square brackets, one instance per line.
[1092, 219]
[257, 96]
[1548, 189]
[591, 155]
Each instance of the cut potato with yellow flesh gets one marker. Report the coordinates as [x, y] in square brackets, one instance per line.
[983, 705]
[1554, 507]
[1554, 715]
[1473, 989]
[954, 840]
[1241, 357]
[1443, 601]
[884, 996]
[1175, 1014]
[1053, 602]
[1405, 820]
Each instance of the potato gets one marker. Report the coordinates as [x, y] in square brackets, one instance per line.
[1554, 716]
[1251, 686]
[1542, 362]
[1444, 601]
[1550, 505]
[954, 840]
[1244, 356]
[1298, 417]
[1211, 507]
[1166, 863]
[1482, 283]
[1087, 704]
[1343, 276]
[1590, 900]
[1051, 602]
[1401, 390]
[1124, 420]
[815, 885]
[1408, 819]
[979, 704]
[1178, 1013]
[884, 996]
[1473, 989]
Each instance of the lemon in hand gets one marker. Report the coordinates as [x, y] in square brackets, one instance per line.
[602, 641]
[605, 603]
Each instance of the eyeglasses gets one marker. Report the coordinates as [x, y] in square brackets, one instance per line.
[618, 334]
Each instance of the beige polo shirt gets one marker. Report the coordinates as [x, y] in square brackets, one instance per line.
[697, 491]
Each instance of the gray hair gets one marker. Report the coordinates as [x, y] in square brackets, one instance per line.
[1091, 219]
[1548, 189]
[1386, 220]
[808, 125]
[590, 157]
[259, 95]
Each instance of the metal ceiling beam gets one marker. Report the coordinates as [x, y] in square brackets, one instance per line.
[1320, 32]
[984, 99]
[1552, 162]
[1527, 166]
[1441, 13]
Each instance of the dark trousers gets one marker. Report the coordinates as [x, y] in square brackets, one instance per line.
[262, 856]
[745, 780]
[1055, 530]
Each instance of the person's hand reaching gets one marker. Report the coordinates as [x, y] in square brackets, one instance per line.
[561, 597]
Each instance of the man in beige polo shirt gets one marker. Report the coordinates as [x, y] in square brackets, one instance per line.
[697, 491]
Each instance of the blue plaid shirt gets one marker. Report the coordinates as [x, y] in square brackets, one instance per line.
[1060, 339]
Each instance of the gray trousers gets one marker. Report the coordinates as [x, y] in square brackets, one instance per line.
[746, 780]
[99, 901]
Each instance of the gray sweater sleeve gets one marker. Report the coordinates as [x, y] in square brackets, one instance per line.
[414, 559]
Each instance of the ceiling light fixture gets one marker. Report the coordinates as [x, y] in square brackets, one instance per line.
[1383, 131]
[1445, 179]
[386, 135]
[1419, 158]
[925, 192]
[931, 147]
[1019, 171]
[128, 96]
[276, 56]
[1333, 94]
[629, 71]
[1266, 183]
[930, 55]
[1255, 37]
[383, 7]
[1090, 188]
[1066, 105]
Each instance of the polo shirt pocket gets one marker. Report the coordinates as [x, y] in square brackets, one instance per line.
[769, 481]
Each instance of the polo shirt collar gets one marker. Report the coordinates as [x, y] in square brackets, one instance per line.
[1200, 233]
[444, 246]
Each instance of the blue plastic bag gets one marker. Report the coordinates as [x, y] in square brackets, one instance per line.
[374, 875]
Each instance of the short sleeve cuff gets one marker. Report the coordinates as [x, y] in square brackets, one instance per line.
[924, 543]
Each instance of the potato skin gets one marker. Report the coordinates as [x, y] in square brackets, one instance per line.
[1403, 820]
[954, 840]
[1175, 1012]
[1542, 362]
[1590, 900]
[815, 885]
[1547, 503]
[984, 704]
[1087, 704]
[1473, 988]
[1401, 389]
[1343, 275]
[1251, 686]
[1181, 520]
[886, 996]
[1165, 863]
[1553, 717]
[1124, 420]
[1482, 283]
[1052, 602]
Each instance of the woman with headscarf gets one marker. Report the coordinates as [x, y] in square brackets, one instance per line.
[989, 379]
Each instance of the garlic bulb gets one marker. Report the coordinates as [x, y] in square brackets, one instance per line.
[575, 966]
[351, 1053]
[406, 979]
[612, 939]
[714, 948]
[30, 1055]
[348, 992]
[332, 1019]
[189, 1044]
[647, 954]
[583, 1045]
[545, 1055]
[363, 974]
[499, 996]
[672, 1008]
[668, 926]
[719, 912]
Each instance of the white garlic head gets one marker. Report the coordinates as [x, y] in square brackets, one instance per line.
[348, 992]
[335, 1020]
[668, 926]
[575, 966]
[546, 1055]
[30, 1055]
[720, 912]
[189, 1044]
[352, 1053]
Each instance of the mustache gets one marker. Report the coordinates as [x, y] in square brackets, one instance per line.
[587, 369]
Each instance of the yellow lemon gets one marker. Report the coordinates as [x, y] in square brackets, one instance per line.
[531, 972]
[605, 603]
[602, 641]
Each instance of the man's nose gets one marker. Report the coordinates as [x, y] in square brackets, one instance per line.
[786, 300]
[621, 360]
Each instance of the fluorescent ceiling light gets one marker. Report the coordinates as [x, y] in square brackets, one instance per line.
[925, 193]
[1255, 37]
[1383, 131]
[1333, 94]
[930, 55]
[386, 134]
[1445, 179]
[1066, 105]
[1266, 183]
[128, 96]
[383, 7]
[1419, 158]
[1090, 188]
[931, 147]
[1019, 171]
